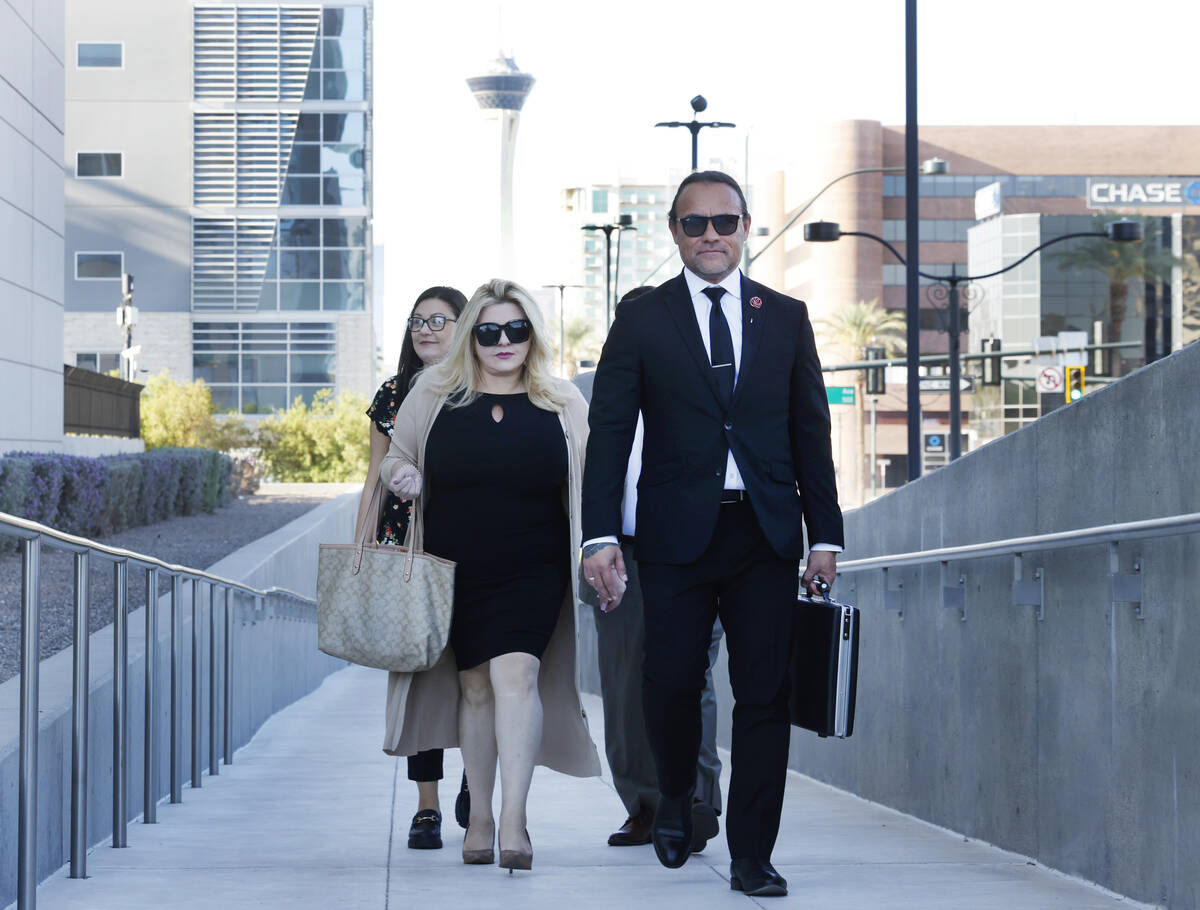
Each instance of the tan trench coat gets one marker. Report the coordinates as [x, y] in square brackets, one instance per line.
[422, 708]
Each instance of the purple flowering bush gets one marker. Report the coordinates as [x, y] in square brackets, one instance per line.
[98, 496]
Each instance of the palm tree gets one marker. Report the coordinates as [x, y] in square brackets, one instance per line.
[854, 328]
[1122, 263]
[579, 343]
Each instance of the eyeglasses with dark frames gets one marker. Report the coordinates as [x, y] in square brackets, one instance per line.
[516, 330]
[696, 225]
[436, 322]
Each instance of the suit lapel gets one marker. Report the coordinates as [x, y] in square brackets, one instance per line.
[679, 304]
[752, 326]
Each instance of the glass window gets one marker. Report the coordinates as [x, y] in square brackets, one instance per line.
[264, 368]
[347, 21]
[98, 54]
[299, 264]
[308, 128]
[306, 159]
[343, 191]
[299, 232]
[345, 264]
[98, 362]
[98, 266]
[343, 296]
[86, 361]
[301, 191]
[312, 368]
[342, 159]
[215, 367]
[343, 86]
[98, 164]
[345, 231]
[307, 393]
[312, 88]
[263, 399]
[342, 54]
[225, 400]
[268, 297]
[345, 128]
[299, 295]
[600, 202]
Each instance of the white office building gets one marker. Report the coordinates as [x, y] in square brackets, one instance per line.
[31, 225]
[220, 152]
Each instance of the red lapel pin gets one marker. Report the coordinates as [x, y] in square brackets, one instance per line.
[756, 302]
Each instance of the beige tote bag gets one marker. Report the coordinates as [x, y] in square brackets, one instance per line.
[382, 606]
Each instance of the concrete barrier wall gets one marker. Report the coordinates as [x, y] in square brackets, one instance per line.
[1072, 739]
[274, 662]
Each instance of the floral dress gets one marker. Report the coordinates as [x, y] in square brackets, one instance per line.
[393, 519]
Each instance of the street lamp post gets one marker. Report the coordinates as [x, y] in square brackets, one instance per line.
[623, 223]
[1121, 231]
[562, 322]
[694, 126]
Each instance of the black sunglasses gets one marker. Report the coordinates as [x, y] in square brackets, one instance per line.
[436, 322]
[696, 225]
[488, 333]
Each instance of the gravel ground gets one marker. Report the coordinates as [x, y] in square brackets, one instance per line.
[194, 540]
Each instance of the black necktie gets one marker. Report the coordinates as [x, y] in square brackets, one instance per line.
[721, 346]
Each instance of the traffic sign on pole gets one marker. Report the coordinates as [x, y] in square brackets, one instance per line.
[1050, 380]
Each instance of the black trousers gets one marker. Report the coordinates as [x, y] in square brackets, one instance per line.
[744, 581]
[425, 766]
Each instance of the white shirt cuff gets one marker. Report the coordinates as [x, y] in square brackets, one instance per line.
[610, 538]
[825, 548]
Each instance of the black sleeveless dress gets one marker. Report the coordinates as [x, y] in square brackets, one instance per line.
[496, 508]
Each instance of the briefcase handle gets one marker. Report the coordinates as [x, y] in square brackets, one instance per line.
[823, 586]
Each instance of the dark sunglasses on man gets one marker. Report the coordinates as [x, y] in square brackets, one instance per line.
[436, 322]
[696, 225]
[488, 333]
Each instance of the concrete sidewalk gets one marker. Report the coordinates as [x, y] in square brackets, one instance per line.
[313, 815]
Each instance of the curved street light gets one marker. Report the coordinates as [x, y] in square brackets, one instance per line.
[1123, 230]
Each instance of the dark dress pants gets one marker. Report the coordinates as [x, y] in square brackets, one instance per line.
[744, 581]
[620, 639]
[425, 766]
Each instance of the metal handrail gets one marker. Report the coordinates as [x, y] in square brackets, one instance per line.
[63, 541]
[32, 536]
[1167, 526]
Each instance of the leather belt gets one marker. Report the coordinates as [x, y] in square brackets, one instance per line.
[728, 496]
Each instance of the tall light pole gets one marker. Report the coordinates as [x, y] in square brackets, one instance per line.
[694, 126]
[623, 223]
[1123, 230]
[502, 91]
[562, 322]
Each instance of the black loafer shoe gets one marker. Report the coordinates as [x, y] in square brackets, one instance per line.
[426, 830]
[757, 878]
[672, 830]
[462, 805]
[704, 825]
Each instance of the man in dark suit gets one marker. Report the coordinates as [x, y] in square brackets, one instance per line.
[736, 458]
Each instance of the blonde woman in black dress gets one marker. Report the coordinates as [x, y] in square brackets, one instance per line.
[428, 333]
[493, 444]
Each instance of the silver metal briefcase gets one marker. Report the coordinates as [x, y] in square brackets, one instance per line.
[824, 665]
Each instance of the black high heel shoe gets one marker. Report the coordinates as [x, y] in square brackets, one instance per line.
[517, 859]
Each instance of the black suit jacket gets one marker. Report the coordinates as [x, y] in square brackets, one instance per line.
[777, 427]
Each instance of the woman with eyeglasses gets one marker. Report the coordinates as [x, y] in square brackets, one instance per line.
[493, 444]
[430, 329]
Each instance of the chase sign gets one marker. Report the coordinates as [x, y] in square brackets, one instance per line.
[1147, 192]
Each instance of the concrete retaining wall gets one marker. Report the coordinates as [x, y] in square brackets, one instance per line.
[275, 661]
[1073, 739]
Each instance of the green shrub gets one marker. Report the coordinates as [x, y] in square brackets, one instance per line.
[322, 442]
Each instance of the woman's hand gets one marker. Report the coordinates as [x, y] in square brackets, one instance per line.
[406, 482]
